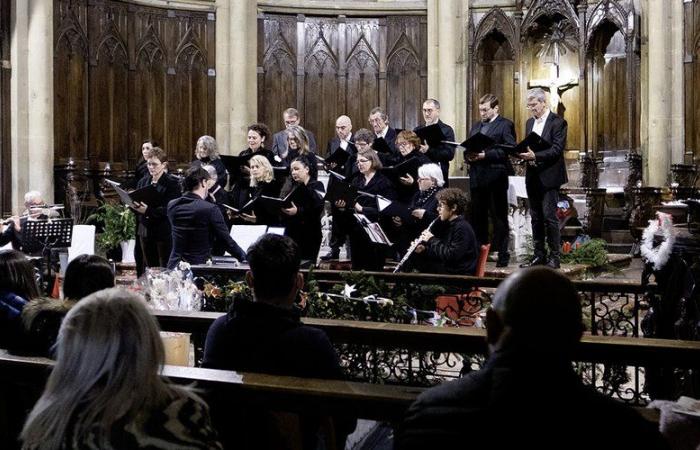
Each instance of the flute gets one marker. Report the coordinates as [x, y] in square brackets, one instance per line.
[413, 247]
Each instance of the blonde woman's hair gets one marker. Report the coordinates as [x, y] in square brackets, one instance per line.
[299, 134]
[268, 174]
[108, 366]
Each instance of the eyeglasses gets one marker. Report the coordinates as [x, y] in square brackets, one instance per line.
[403, 144]
[531, 105]
[362, 161]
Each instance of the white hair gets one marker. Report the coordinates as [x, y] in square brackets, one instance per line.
[31, 196]
[537, 94]
[212, 171]
[433, 171]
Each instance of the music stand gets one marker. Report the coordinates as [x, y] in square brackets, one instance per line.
[45, 235]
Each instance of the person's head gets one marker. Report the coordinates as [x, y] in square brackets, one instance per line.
[87, 274]
[378, 120]
[257, 135]
[407, 141]
[430, 175]
[274, 270]
[206, 149]
[300, 169]
[157, 162]
[196, 180]
[452, 203]
[147, 146]
[290, 117]
[536, 102]
[343, 127]
[431, 111]
[17, 274]
[298, 139]
[488, 107]
[33, 199]
[368, 162]
[536, 310]
[108, 361]
[260, 170]
[363, 139]
[213, 176]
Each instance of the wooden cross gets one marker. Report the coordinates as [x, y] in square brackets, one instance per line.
[556, 86]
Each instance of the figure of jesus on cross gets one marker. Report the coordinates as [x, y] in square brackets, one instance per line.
[554, 46]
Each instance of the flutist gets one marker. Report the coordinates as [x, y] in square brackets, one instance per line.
[34, 209]
[449, 246]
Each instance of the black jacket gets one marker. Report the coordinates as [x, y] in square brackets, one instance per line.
[154, 224]
[404, 193]
[549, 167]
[444, 153]
[279, 142]
[378, 184]
[305, 226]
[495, 167]
[195, 222]
[346, 168]
[525, 402]
[453, 250]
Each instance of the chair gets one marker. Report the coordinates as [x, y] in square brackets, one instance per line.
[464, 309]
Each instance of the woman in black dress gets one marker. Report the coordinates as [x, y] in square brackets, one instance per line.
[367, 255]
[408, 144]
[153, 227]
[303, 220]
[262, 182]
[207, 152]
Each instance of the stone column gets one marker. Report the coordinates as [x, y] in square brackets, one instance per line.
[31, 89]
[236, 72]
[662, 130]
[447, 65]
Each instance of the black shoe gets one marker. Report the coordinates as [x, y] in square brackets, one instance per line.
[502, 263]
[334, 254]
[538, 261]
[553, 263]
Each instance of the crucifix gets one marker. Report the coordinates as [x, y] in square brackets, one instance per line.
[556, 85]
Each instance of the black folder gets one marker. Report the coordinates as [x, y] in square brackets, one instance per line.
[339, 189]
[391, 209]
[475, 144]
[245, 209]
[280, 172]
[339, 157]
[234, 163]
[274, 204]
[409, 166]
[380, 145]
[147, 195]
[432, 134]
[533, 140]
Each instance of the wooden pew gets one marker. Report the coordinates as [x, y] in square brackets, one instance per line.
[467, 340]
[22, 380]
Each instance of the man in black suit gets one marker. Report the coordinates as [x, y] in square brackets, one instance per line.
[443, 153]
[527, 395]
[379, 123]
[195, 222]
[342, 140]
[488, 178]
[279, 139]
[546, 172]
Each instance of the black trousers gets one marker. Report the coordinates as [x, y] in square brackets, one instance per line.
[491, 201]
[543, 214]
[155, 253]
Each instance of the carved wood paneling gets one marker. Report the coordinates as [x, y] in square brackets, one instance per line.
[328, 66]
[124, 73]
[692, 78]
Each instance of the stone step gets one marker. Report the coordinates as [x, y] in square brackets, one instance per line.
[615, 223]
[617, 236]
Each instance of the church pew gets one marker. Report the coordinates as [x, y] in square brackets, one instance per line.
[468, 340]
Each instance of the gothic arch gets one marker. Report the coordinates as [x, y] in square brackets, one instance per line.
[494, 21]
[402, 52]
[362, 54]
[189, 49]
[150, 46]
[550, 9]
[71, 34]
[607, 11]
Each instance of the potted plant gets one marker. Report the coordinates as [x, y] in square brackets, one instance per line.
[119, 229]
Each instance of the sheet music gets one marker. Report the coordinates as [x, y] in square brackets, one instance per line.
[276, 230]
[246, 235]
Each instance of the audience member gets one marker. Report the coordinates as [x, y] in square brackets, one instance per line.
[267, 335]
[105, 390]
[18, 285]
[527, 395]
[42, 317]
